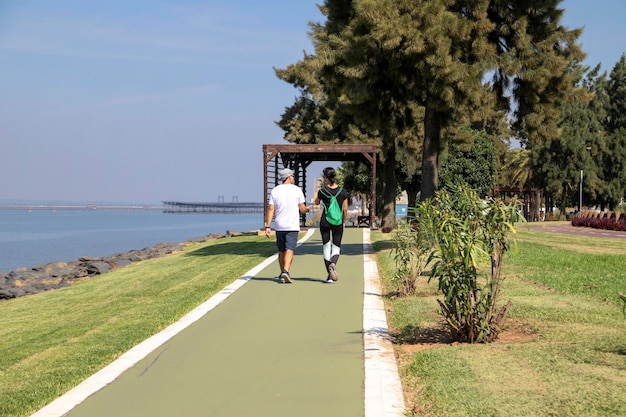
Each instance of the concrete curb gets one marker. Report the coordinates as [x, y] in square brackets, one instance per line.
[383, 390]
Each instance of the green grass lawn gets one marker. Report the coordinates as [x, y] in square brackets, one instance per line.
[50, 342]
[564, 353]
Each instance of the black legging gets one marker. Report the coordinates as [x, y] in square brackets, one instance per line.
[331, 255]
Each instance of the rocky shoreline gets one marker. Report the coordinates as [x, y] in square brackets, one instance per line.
[25, 281]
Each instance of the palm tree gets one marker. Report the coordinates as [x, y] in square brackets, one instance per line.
[517, 169]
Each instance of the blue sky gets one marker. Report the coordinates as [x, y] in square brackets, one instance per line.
[141, 101]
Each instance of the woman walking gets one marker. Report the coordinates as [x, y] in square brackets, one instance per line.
[334, 215]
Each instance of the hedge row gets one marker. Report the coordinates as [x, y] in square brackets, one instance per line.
[604, 223]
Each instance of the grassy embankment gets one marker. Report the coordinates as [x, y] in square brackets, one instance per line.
[564, 353]
[50, 342]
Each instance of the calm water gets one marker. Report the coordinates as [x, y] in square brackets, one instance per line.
[38, 237]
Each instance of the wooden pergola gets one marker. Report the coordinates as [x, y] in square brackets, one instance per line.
[299, 157]
[531, 200]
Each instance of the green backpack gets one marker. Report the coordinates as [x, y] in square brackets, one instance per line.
[334, 213]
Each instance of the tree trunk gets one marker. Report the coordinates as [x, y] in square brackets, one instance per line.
[389, 192]
[562, 214]
[550, 205]
[363, 200]
[430, 153]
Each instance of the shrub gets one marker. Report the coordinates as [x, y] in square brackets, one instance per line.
[469, 238]
[410, 257]
[603, 224]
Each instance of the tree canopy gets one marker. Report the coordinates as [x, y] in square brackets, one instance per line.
[473, 168]
[405, 75]
[614, 159]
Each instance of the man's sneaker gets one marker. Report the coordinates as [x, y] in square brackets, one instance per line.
[332, 273]
[285, 278]
[329, 280]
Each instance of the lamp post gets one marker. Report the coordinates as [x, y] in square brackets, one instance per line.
[580, 201]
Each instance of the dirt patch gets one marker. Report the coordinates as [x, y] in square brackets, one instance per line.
[516, 332]
[423, 338]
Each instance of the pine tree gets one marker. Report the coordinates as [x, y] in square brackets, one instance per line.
[559, 161]
[614, 161]
[533, 55]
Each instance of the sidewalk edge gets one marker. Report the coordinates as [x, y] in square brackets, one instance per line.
[383, 389]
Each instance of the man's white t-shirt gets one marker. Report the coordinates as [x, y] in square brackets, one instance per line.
[286, 199]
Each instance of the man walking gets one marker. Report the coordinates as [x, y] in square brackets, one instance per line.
[286, 203]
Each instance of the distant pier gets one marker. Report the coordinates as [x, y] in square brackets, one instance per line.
[78, 207]
[217, 208]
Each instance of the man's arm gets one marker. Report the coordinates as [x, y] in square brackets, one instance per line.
[303, 208]
[268, 220]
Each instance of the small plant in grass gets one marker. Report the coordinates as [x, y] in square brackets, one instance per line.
[410, 255]
[469, 238]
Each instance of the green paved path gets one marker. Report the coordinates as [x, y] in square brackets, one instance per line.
[268, 350]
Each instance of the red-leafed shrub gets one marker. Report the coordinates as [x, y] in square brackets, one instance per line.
[603, 224]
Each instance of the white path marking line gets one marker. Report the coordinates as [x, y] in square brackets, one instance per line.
[108, 374]
[383, 389]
